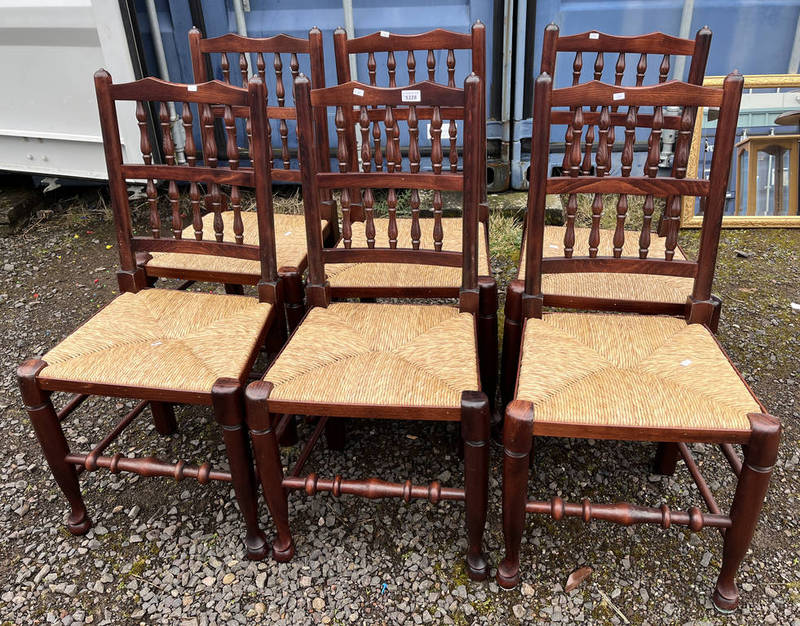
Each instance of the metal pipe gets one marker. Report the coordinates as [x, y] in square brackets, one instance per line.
[241, 27]
[508, 51]
[794, 58]
[178, 133]
[683, 32]
[350, 29]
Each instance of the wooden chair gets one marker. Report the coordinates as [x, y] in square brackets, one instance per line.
[393, 361]
[628, 376]
[617, 291]
[166, 346]
[289, 229]
[412, 280]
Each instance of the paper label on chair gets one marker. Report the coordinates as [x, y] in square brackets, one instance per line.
[686, 362]
[156, 343]
[554, 246]
[411, 95]
[191, 87]
[358, 92]
[620, 95]
[287, 233]
[594, 35]
[384, 33]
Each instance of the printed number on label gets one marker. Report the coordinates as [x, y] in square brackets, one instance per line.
[411, 95]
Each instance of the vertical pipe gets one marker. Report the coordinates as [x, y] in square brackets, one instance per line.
[241, 28]
[683, 32]
[508, 51]
[178, 135]
[794, 59]
[350, 29]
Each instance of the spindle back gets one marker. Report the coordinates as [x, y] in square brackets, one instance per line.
[213, 187]
[303, 55]
[429, 96]
[601, 44]
[602, 98]
[435, 44]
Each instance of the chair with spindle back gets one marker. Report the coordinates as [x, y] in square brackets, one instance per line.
[290, 229]
[368, 360]
[410, 280]
[166, 346]
[627, 376]
[618, 291]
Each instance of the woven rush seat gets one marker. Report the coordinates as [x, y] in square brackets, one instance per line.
[378, 354]
[162, 339]
[630, 371]
[387, 275]
[610, 286]
[290, 247]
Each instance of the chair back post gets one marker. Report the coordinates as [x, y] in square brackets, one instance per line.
[317, 288]
[473, 152]
[702, 45]
[317, 56]
[130, 278]
[724, 139]
[534, 226]
[479, 69]
[198, 66]
[549, 49]
[262, 181]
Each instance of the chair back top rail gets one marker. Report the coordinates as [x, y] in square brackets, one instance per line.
[202, 171]
[422, 94]
[602, 98]
[233, 42]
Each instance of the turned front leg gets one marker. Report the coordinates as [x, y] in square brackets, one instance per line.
[517, 441]
[48, 430]
[760, 455]
[475, 432]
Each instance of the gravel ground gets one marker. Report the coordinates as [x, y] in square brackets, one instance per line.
[164, 552]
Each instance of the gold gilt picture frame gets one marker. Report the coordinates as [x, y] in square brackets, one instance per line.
[688, 217]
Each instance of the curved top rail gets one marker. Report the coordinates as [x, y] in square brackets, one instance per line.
[211, 92]
[652, 43]
[673, 92]
[426, 93]
[233, 42]
[384, 41]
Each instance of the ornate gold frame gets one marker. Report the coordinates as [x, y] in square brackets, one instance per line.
[688, 218]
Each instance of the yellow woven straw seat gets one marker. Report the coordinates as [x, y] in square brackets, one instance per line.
[378, 354]
[642, 287]
[290, 248]
[162, 339]
[405, 275]
[632, 371]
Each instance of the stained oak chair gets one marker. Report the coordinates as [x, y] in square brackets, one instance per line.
[617, 291]
[250, 56]
[392, 361]
[380, 149]
[626, 376]
[167, 346]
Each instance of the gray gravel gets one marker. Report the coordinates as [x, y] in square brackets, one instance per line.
[162, 552]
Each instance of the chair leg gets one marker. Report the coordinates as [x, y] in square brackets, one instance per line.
[751, 490]
[227, 397]
[270, 469]
[164, 418]
[335, 433]
[54, 445]
[512, 340]
[234, 290]
[293, 295]
[475, 432]
[517, 441]
[487, 336]
[666, 460]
